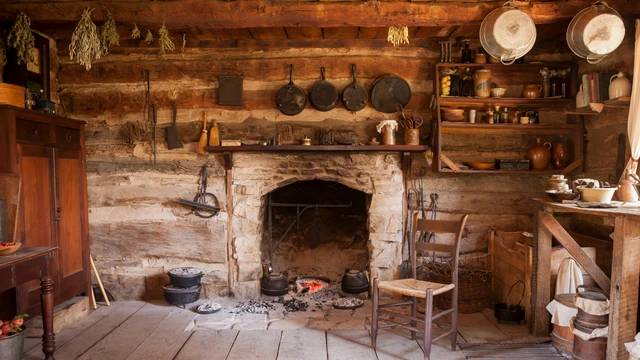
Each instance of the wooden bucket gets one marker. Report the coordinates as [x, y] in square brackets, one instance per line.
[561, 336]
[594, 349]
[12, 95]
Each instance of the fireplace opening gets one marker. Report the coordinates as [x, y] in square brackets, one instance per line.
[316, 229]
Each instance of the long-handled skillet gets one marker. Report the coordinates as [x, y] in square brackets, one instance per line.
[354, 97]
[323, 95]
[291, 99]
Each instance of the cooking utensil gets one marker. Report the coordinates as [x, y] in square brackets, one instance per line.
[480, 165]
[181, 296]
[510, 312]
[354, 282]
[405, 266]
[507, 33]
[560, 197]
[595, 32]
[275, 284]
[354, 97]
[389, 90]
[291, 99]
[205, 197]
[171, 134]
[185, 276]
[155, 125]
[452, 114]
[323, 94]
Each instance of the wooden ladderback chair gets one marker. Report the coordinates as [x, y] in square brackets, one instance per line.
[415, 288]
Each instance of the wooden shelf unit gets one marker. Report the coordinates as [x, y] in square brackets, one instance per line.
[509, 75]
[617, 103]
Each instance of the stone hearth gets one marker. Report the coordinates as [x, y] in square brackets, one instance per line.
[378, 175]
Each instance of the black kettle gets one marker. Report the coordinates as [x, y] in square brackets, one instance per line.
[354, 282]
[275, 284]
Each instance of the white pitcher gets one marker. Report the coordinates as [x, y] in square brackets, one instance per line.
[619, 87]
[580, 99]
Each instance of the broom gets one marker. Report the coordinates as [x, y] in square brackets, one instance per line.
[203, 137]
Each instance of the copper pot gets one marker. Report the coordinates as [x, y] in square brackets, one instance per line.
[539, 155]
[532, 91]
[560, 155]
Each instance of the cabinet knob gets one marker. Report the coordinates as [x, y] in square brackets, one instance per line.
[34, 132]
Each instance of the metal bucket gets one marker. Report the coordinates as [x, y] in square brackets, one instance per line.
[507, 33]
[11, 347]
[595, 32]
[4, 222]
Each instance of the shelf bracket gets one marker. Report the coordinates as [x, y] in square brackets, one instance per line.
[445, 159]
[228, 159]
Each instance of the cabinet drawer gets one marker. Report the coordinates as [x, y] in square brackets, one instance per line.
[32, 132]
[67, 138]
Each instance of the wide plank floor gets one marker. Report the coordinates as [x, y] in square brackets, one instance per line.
[134, 330]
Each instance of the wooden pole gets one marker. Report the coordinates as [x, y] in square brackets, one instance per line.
[104, 293]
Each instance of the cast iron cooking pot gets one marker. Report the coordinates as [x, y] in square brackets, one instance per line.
[185, 276]
[181, 296]
[354, 282]
[510, 312]
[275, 284]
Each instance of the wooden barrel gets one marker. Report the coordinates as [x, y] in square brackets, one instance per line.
[594, 349]
[12, 95]
[561, 336]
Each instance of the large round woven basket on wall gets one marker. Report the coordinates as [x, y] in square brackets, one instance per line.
[12, 95]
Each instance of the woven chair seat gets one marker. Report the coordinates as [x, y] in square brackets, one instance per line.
[413, 287]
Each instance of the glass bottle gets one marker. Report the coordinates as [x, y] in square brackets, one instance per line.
[489, 116]
[504, 116]
[546, 83]
[496, 115]
[467, 82]
[466, 54]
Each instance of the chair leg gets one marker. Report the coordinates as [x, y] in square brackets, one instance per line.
[414, 312]
[374, 314]
[428, 312]
[454, 318]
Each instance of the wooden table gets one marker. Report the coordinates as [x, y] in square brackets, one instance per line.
[25, 265]
[625, 269]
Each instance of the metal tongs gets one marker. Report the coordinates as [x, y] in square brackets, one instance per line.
[201, 202]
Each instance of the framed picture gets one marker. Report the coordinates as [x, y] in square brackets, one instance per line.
[33, 75]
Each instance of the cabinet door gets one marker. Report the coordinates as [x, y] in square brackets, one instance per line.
[72, 265]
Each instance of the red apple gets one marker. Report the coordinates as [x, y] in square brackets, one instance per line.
[2, 336]
[6, 328]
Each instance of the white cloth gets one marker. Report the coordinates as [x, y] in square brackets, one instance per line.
[561, 315]
[634, 347]
[569, 277]
[596, 333]
[592, 307]
[391, 123]
[633, 125]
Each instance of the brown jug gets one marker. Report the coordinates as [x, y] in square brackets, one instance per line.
[532, 91]
[539, 155]
[560, 155]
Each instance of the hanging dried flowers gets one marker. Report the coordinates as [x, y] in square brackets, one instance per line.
[22, 39]
[135, 33]
[85, 41]
[398, 35]
[149, 38]
[166, 44]
[109, 33]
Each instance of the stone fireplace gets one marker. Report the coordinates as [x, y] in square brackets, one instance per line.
[371, 182]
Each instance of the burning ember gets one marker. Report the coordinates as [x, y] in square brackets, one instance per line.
[310, 285]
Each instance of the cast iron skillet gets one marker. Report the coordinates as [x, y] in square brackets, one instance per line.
[323, 94]
[389, 90]
[291, 99]
[354, 97]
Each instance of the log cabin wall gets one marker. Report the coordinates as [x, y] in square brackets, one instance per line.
[137, 230]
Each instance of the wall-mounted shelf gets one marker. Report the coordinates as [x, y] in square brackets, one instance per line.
[406, 150]
[617, 103]
[485, 103]
[506, 129]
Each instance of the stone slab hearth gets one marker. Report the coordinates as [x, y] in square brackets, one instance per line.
[254, 175]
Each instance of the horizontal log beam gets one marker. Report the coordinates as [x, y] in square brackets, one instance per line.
[210, 14]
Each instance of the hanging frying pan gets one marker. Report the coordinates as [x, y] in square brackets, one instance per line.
[389, 90]
[354, 97]
[323, 94]
[291, 99]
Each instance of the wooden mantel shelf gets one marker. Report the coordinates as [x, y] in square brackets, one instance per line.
[405, 149]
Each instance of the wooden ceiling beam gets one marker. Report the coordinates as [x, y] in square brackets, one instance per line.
[257, 13]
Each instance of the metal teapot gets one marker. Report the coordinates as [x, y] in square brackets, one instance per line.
[354, 282]
[275, 284]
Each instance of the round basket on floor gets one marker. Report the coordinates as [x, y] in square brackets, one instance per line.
[474, 293]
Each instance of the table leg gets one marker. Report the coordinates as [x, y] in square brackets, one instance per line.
[46, 299]
[541, 278]
[625, 270]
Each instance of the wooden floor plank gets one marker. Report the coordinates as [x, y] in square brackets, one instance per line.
[83, 342]
[71, 332]
[475, 328]
[350, 344]
[304, 343]
[441, 350]
[208, 345]
[167, 339]
[256, 344]
[516, 333]
[131, 333]
[396, 344]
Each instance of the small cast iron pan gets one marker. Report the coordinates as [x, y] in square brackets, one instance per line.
[389, 90]
[323, 95]
[291, 99]
[354, 97]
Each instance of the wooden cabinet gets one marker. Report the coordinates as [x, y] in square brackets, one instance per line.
[48, 151]
[487, 142]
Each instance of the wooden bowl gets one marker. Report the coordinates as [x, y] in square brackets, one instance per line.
[8, 250]
[559, 197]
[452, 114]
[480, 165]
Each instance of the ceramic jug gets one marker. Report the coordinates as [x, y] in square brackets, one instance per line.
[621, 86]
[539, 155]
[580, 100]
[627, 190]
[482, 83]
[532, 91]
[560, 155]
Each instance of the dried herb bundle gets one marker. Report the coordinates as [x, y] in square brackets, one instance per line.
[149, 38]
[398, 35]
[166, 44]
[135, 33]
[22, 39]
[109, 33]
[85, 41]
